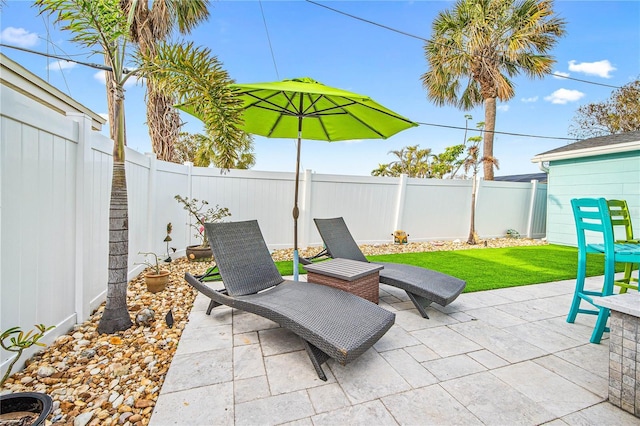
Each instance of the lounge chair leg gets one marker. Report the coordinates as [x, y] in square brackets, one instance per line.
[317, 358]
[212, 304]
[420, 303]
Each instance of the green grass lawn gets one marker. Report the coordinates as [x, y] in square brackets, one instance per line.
[492, 268]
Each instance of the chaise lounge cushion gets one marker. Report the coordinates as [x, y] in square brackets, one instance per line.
[435, 286]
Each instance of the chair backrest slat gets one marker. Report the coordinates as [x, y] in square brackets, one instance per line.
[239, 249]
[338, 240]
[619, 213]
[592, 214]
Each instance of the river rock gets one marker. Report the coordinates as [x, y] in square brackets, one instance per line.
[46, 371]
[145, 317]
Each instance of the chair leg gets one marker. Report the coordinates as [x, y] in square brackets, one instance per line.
[601, 325]
[212, 304]
[420, 303]
[628, 280]
[575, 305]
[317, 357]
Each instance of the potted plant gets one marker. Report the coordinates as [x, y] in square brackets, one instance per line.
[23, 408]
[202, 251]
[155, 278]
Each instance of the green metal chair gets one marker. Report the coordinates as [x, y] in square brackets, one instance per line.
[592, 216]
[619, 212]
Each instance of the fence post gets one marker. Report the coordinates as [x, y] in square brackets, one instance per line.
[305, 214]
[532, 206]
[402, 190]
[151, 199]
[82, 250]
[189, 165]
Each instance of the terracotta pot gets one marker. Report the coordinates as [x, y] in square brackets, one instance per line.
[199, 254]
[20, 404]
[157, 282]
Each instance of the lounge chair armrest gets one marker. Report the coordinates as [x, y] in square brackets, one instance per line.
[219, 296]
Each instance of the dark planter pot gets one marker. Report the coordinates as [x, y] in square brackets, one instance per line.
[199, 254]
[30, 402]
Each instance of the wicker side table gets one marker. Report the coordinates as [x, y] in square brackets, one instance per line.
[359, 278]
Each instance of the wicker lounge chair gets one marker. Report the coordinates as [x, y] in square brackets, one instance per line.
[331, 323]
[423, 286]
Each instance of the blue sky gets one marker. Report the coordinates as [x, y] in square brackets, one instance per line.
[602, 45]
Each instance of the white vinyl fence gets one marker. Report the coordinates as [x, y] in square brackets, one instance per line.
[54, 208]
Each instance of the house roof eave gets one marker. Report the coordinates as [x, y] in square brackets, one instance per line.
[587, 152]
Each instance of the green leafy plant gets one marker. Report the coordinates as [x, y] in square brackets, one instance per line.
[18, 341]
[512, 233]
[155, 265]
[195, 208]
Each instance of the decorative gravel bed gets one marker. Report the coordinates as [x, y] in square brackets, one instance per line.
[373, 249]
[116, 379]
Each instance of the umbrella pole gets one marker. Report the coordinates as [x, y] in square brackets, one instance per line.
[296, 212]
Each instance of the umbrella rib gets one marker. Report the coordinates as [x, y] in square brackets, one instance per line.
[362, 122]
[374, 109]
[322, 126]
[327, 111]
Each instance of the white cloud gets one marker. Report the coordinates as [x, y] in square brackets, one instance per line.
[101, 77]
[61, 65]
[530, 100]
[560, 74]
[564, 96]
[18, 37]
[601, 68]
[503, 108]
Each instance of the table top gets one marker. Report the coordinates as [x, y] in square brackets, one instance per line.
[628, 303]
[344, 269]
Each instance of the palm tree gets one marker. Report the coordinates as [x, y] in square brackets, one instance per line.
[202, 150]
[411, 161]
[196, 79]
[103, 25]
[382, 170]
[488, 42]
[473, 162]
[151, 23]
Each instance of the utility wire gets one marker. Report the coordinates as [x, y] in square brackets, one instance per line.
[269, 40]
[53, 46]
[496, 132]
[87, 64]
[386, 27]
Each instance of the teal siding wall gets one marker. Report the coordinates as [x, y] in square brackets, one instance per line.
[609, 176]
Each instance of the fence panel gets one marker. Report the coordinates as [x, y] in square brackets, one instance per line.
[37, 163]
[437, 209]
[265, 196]
[500, 207]
[366, 203]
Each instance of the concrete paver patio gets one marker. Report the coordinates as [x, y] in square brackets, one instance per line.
[499, 357]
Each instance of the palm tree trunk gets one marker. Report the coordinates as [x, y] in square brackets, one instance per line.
[489, 127]
[163, 121]
[472, 228]
[116, 315]
[113, 120]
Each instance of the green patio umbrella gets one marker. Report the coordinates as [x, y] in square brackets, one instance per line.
[307, 109]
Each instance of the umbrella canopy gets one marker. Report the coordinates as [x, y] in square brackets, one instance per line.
[307, 109]
[275, 110]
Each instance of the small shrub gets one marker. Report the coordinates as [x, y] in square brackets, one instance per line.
[512, 233]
